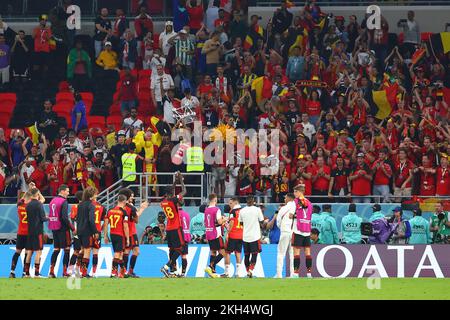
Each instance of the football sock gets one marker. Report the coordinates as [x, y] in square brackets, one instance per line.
[238, 266]
[36, 269]
[217, 260]
[175, 256]
[114, 266]
[125, 260]
[133, 262]
[211, 260]
[14, 261]
[183, 265]
[79, 260]
[66, 258]
[73, 259]
[54, 258]
[227, 268]
[308, 263]
[296, 263]
[94, 262]
[247, 261]
[254, 258]
[27, 268]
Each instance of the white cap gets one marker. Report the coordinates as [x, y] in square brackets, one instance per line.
[169, 23]
[107, 43]
[183, 31]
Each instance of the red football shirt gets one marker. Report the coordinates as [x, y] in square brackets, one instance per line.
[23, 219]
[236, 231]
[360, 185]
[131, 212]
[170, 209]
[443, 182]
[321, 183]
[380, 177]
[117, 217]
[402, 173]
[428, 184]
[99, 215]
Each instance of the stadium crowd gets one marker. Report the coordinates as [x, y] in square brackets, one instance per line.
[314, 76]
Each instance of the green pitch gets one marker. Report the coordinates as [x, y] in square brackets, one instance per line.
[224, 289]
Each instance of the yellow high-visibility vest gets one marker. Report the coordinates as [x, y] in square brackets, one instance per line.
[194, 156]
[129, 166]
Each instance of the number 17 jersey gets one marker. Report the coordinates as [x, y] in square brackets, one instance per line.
[170, 208]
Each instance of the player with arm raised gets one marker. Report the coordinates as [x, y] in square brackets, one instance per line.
[174, 231]
[22, 233]
[252, 221]
[302, 230]
[213, 229]
[117, 219]
[133, 218]
[234, 237]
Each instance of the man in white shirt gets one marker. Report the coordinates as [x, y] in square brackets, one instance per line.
[231, 181]
[251, 218]
[285, 224]
[131, 123]
[308, 128]
[25, 173]
[165, 36]
[189, 102]
[160, 83]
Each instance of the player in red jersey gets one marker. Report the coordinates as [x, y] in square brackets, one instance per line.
[234, 237]
[133, 218]
[22, 232]
[174, 231]
[117, 219]
[77, 254]
[100, 213]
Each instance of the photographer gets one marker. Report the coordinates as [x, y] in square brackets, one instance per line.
[440, 225]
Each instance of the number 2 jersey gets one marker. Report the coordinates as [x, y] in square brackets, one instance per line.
[23, 222]
[170, 208]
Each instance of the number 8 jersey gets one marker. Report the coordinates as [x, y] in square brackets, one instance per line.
[170, 208]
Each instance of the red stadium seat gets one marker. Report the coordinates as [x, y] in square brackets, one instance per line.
[7, 102]
[145, 74]
[63, 107]
[96, 122]
[114, 109]
[144, 85]
[115, 120]
[65, 97]
[116, 96]
[4, 120]
[88, 98]
[8, 97]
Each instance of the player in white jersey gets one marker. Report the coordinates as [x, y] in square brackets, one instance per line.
[285, 224]
[251, 218]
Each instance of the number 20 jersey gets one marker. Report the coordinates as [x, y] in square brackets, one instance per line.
[170, 208]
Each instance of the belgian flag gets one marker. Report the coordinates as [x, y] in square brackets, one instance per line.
[262, 87]
[440, 42]
[256, 32]
[33, 132]
[385, 101]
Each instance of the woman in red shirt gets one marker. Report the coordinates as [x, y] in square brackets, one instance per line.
[195, 11]
[313, 106]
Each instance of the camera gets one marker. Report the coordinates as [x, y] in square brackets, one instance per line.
[441, 216]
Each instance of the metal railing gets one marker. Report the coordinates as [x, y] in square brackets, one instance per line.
[145, 189]
[328, 3]
[20, 9]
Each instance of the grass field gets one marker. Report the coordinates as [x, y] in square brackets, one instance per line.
[215, 289]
